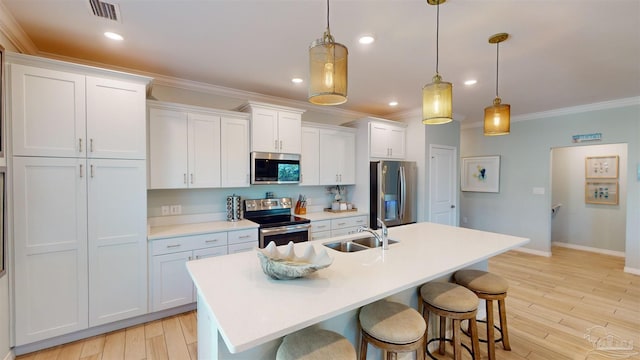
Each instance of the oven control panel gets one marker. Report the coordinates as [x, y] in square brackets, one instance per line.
[267, 204]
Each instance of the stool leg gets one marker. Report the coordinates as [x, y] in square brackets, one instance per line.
[503, 324]
[443, 329]
[491, 338]
[457, 347]
[363, 347]
[426, 330]
[475, 343]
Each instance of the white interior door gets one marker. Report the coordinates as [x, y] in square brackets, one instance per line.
[443, 185]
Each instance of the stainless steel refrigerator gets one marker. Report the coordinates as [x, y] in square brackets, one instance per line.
[393, 192]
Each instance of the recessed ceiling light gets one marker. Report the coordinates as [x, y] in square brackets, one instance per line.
[393, 103]
[367, 39]
[113, 36]
[297, 81]
[470, 82]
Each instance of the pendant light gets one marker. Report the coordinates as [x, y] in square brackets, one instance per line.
[327, 70]
[497, 117]
[436, 97]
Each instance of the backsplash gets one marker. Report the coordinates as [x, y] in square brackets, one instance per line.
[213, 201]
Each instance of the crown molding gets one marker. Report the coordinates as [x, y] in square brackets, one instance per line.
[10, 28]
[604, 105]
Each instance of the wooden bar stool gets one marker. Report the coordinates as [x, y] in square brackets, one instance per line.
[315, 344]
[455, 302]
[489, 287]
[392, 327]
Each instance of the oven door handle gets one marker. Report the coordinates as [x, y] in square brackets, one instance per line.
[285, 229]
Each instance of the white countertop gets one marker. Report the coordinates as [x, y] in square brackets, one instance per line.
[169, 231]
[251, 309]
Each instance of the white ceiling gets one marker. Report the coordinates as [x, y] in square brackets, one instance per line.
[561, 53]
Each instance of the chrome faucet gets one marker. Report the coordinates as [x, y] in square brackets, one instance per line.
[380, 237]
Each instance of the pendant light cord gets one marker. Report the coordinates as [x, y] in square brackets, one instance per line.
[437, 32]
[328, 17]
[497, 62]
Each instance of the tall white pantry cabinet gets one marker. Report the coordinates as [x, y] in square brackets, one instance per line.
[77, 155]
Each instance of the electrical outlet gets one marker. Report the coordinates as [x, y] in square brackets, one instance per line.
[176, 209]
[165, 210]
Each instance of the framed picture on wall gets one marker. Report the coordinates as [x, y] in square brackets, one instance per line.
[601, 192]
[601, 167]
[480, 174]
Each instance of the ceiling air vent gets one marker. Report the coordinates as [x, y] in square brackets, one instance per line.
[105, 10]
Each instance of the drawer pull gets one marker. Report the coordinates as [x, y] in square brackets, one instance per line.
[173, 246]
[342, 224]
[211, 241]
[359, 221]
[244, 237]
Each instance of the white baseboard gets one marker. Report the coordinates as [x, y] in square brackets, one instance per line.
[589, 248]
[102, 329]
[631, 270]
[533, 252]
[10, 355]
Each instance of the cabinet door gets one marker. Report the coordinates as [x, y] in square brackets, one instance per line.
[378, 146]
[47, 112]
[234, 152]
[397, 136]
[310, 158]
[167, 149]
[117, 238]
[204, 151]
[264, 130]
[289, 131]
[116, 126]
[337, 157]
[171, 284]
[50, 229]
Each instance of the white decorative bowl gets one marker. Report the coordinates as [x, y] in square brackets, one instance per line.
[286, 265]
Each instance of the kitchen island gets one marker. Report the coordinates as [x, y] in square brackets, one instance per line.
[242, 313]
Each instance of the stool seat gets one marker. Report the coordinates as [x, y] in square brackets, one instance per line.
[481, 281]
[449, 297]
[315, 344]
[392, 322]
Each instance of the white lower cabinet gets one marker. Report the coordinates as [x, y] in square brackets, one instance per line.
[170, 284]
[323, 229]
[243, 240]
[80, 244]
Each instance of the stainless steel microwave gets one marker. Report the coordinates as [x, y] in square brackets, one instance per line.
[275, 168]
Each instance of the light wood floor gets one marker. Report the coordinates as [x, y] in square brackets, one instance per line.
[551, 304]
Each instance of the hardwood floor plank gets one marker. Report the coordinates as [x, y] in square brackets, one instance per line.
[189, 327]
[153, 329]
[114, 345]
[156, 348]
[134, 348]
[49, 354]
[92, 346]
[71, 351]
[176, 345]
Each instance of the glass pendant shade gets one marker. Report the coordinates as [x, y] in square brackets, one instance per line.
[497, 119]
[436, 102]
[327, 72]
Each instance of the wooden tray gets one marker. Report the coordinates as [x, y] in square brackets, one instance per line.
[339, 211]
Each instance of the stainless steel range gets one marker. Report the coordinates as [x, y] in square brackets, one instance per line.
[276, 222]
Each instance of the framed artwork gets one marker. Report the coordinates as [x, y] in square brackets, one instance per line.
[601, 192]
[601, 167]
[481, 174]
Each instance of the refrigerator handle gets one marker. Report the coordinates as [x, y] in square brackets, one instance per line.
[402, 193]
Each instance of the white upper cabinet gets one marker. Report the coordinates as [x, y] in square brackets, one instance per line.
[66, 114]
[194, 147]
[310, 156]
[337, 157]
[275, 128]
[235, 152]
[387, 140]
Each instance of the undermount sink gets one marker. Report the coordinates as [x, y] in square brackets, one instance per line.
[372, 242]
[358, 244]
[345, 246]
